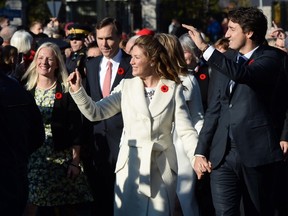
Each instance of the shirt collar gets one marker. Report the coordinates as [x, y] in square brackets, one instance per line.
[249, 54]
[115, 59]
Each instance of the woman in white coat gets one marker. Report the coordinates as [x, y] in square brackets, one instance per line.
[152, 104]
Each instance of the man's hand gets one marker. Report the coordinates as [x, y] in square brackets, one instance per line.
[88, 40]
[196, 37]
[201, 166]
[277, 32]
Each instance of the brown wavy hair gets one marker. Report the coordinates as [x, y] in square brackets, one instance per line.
[157, 53]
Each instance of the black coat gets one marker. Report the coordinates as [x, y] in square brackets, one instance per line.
[66, 121]
[21, 133]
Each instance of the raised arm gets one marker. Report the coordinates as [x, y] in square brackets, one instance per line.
[75, 81]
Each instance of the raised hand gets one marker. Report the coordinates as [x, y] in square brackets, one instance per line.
[75, 81]
[89, 39]
[196, 37]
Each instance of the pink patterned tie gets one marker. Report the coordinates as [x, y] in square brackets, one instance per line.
[107, 80]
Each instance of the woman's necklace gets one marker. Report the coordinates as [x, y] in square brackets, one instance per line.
[149, 92]
[46, 89]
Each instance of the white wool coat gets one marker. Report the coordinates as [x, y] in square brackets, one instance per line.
[146, 169]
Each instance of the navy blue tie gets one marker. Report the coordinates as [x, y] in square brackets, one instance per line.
[241, 60]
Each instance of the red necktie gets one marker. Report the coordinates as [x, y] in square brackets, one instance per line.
[107, 80]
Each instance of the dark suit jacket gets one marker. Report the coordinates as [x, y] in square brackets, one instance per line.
[112, 127]
[76, 60]
[255, 111]
[202, 77]
[21, 133]
[67, 123]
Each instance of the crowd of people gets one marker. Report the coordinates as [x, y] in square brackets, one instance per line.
[157, 124]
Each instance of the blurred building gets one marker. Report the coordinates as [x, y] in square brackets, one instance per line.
[128, 12]
[134, 14]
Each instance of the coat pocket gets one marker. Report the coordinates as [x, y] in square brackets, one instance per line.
[122, 158]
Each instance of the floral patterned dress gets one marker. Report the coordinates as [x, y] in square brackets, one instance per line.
[48, 181]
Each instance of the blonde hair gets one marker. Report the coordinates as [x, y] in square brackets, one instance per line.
[175, 52]
[60, 72]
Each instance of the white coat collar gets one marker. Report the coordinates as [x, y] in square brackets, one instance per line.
[164, 93]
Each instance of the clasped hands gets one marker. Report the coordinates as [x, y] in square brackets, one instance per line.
[201, 166]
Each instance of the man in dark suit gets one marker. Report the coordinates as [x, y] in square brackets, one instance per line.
[243, 126]
[104, 139]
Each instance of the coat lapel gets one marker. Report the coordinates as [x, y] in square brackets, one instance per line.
[138, 96]
[258, 52]
[124, 70]
[162, 98]
[230, 94]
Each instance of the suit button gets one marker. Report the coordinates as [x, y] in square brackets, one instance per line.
[230, 105]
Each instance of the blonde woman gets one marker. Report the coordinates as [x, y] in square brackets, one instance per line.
[56, 179]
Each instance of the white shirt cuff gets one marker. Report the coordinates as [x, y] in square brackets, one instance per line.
[207, 54]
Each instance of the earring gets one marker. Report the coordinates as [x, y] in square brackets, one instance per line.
[152, 65]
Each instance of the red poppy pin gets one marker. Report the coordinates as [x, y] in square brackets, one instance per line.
[58, 95]
[120, 71]
[202, 76]
[164, 88]
[251, 61]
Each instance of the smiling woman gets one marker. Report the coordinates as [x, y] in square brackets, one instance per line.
[56, 164]
[151, 103]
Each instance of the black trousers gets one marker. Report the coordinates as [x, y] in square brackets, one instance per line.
[101, 177]
[232, 181]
